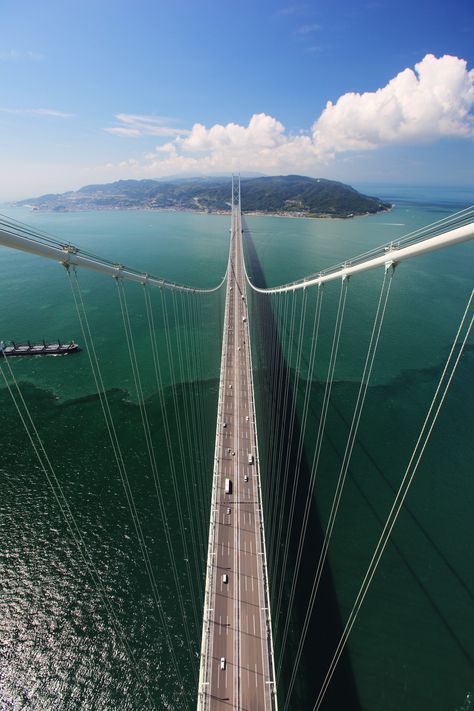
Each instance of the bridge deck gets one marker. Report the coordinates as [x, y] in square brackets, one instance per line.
[236, 624]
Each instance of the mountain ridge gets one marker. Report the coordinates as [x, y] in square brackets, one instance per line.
[292, 195]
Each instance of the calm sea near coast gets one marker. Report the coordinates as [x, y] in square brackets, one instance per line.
[413, 645]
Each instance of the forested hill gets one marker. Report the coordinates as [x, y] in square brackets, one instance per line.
[290, 194]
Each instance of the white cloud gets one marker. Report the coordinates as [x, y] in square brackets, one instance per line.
[262, 132]
[53, 113]
[307, 29]
[128, 132]
[297, 9]
[420, 106]
[136, 125]
[433, 101]
[15, 55]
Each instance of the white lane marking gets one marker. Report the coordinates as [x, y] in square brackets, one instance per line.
[220, 625]
[253, 617]
[256, 677]
[226, 625]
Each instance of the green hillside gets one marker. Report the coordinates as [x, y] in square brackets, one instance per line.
[290, 194]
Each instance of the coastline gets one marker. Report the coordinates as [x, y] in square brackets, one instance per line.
[256, 213]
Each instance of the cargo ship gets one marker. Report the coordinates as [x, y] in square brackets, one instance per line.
[32, 349]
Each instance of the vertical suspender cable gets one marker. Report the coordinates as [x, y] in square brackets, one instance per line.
[183, 457]
[289, 438]
[364, 383]
[276, 434]
[316, 455]
[152, 460]
[299, 454]
[284, 441]
[420, 446]
[191, 446]
[170, 451]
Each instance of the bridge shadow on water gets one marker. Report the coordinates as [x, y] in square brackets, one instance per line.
[325, 624]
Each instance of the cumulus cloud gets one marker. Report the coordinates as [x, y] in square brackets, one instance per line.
[136, 125]
[433, 101]
[262, 132]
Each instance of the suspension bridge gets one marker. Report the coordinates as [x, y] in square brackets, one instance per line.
[239, 575]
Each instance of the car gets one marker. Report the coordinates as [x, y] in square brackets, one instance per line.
[222, 662]
[228, 511]
[246, 477]
[246, 418]
[225, 578]
[225, 424]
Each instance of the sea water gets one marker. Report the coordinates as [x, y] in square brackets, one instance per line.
[412, 645]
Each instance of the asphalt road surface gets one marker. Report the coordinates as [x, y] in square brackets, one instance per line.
[237, 672]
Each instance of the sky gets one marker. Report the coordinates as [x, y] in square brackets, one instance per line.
[374, 91]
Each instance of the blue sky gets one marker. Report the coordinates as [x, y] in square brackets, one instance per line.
[101, 90]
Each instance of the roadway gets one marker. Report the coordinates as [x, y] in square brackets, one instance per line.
[236, 664]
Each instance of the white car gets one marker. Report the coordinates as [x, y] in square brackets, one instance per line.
[222, 662]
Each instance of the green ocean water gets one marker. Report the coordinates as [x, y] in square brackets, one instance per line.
[412, 647]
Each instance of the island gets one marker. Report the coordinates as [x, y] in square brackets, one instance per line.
[289, 195]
